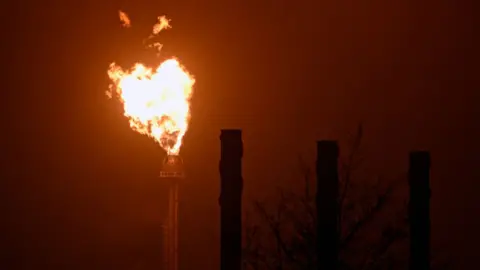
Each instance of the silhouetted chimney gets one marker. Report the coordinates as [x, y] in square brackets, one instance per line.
[327, 205]
[231, 199]
[419, 210]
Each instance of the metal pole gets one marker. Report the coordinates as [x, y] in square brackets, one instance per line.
[171, 205]
[231, 187]
[175, 257]
[327, 205]
[419, 210]
[165, 244]
[172, 172]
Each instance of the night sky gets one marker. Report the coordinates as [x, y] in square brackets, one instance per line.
[79, 188]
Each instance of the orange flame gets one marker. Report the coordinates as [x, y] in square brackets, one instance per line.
[155, 100]
[124, 19]
[163, 23]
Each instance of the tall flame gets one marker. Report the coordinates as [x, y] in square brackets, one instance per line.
[155, 100]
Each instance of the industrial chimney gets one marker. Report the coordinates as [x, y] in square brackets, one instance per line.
[419, 210]
[172, 173]
[231, 187]
[327, 205]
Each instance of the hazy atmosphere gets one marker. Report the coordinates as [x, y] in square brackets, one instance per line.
[80, 190]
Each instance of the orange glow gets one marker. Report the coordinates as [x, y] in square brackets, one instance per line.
[124, 18]
[162, 24]
[155, 100]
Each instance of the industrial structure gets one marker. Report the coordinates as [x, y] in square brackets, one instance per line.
[172, 173]
[327, 205]
[230, 200]
[419, 210]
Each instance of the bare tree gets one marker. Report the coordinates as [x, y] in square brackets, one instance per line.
[283, 236]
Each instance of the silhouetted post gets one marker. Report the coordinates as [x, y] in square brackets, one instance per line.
[231, 199]
[419, 210]
[327, 205]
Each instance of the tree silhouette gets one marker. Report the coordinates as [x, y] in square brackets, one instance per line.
[283, 236]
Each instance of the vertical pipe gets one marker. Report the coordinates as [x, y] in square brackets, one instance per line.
[419, 210]
[171, 232]
[165, 244]
[167, 234]
[175, 257]
[327, 205]
[230, 200]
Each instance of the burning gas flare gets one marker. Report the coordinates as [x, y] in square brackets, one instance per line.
[124, 18]
[162, 23]
[155, 100]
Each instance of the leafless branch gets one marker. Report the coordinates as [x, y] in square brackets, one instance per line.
[290, 231]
